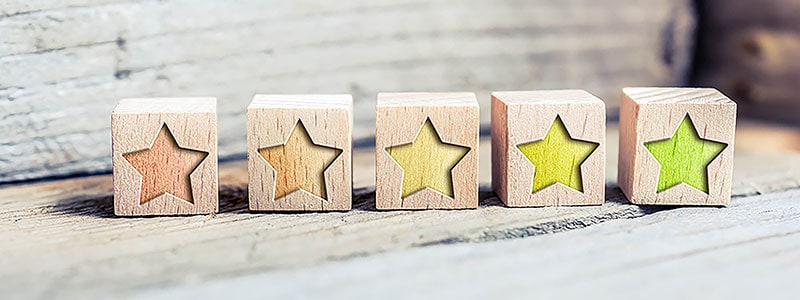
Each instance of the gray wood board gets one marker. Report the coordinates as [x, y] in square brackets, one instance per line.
[749, 250]
[66, 63]
[61, 239]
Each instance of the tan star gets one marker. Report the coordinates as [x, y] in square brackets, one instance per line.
[300, 163]
[165, 167]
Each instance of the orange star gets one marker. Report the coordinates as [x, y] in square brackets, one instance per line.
[300, 163]
[165, 167]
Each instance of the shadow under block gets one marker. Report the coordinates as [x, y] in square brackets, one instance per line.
[299, 152]
[676, 146]
[426, 148]
[548, 148]
[164, 156]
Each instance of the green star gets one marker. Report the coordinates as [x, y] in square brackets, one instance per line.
[684, 157]
[557, 158]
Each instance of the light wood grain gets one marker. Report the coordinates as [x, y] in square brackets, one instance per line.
[62, 239]
[185, 180]
[698, 253]
[654, 114]
[526, 116]
[319, 166]
[400, 121]
[77, 57]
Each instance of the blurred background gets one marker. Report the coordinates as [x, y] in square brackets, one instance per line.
[65, 64]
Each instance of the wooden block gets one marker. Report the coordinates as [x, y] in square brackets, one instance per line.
[299, 152]
[164, 153]
[676, 146]
[426, 148]
[548, 148]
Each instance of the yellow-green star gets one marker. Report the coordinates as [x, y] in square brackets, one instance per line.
[684, 157]
[557, 158]
[427, 162]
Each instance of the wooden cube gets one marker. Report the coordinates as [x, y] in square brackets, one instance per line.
[548, 148]
[676, 146]
[426, 148]
[299, 152]
[164, 154]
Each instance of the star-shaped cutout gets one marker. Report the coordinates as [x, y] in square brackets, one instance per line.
[165, 167]
[557, 158]
[684, 157]
[300, 163]
[427, 162]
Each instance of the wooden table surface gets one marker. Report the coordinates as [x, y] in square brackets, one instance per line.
[60, 238]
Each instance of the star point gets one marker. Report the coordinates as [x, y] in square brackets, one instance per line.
[427, 162]
[557, 158]
[300, 164]
[165, 167]
[684, 157]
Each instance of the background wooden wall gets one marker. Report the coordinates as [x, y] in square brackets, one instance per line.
[64, 64]
[751, 51]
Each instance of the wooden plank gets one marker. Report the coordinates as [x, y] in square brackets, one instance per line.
[702, 253]
[61, 237]
[60, 57]
[767, 137]
[21, 7]
[749, 50]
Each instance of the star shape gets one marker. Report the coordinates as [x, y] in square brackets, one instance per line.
[557, 158]
[165, 167]
[427, 162]
[300, 163]
[684, 157]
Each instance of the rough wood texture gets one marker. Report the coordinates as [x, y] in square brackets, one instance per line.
[426, 147]
[682, 253]
[61, 239]
[751, 51]
[165, 156]
[299, 149]
[64, 63]
[520, 118]
[656, 115]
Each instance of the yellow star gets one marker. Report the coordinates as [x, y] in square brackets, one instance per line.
[300, 163]
[165, 167]
[557, 158]
[427, 162]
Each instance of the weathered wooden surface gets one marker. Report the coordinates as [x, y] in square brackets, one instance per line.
[751, 51]
[65, 63]
[746, 251]
[60, 238]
